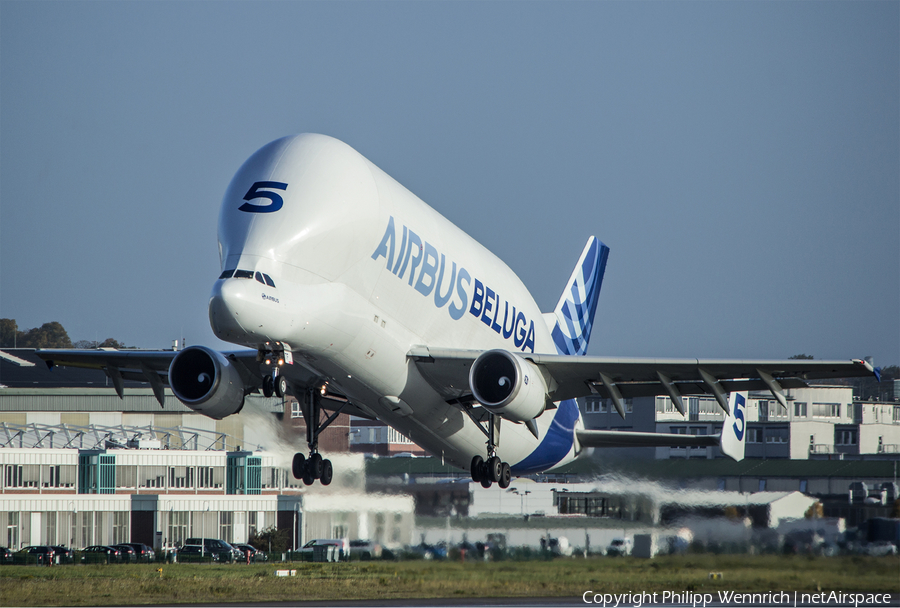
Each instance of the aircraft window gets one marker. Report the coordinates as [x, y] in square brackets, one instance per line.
[259, 278]
[227, 274]
[269, 280]
[243, 274]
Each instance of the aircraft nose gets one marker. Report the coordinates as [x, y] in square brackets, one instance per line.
[226, 303]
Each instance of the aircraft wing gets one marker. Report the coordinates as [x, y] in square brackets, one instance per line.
[150, 366]
[623, 378]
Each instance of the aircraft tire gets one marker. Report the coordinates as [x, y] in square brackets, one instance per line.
[315, 465]
[494, 468]
[327, 472]
[268, 387]
[505, 476]
[486, 483]
[477, 468]
[298, 465]
[308, 479]
[281, 386]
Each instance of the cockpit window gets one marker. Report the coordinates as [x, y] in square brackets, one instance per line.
[226, 274]
[269, 280]
[243, 274]
[259, 278]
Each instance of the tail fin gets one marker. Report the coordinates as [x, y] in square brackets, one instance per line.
[734, 428]
[575, 311]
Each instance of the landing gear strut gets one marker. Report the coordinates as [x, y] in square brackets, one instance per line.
[313, 467]
[493, 469]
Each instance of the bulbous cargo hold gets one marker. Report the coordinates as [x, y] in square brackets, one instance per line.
[207, 382]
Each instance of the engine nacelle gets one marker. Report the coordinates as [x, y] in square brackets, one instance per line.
[508, 385]
[205, 381]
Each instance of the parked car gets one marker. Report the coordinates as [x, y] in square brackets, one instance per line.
[6, 556]
[41, 554]
[65, 555]
[620, 546]
[99, 553]
[364, 549]
[142, 552]
[189, 553]
[881, 547]
[255, 554]
[309, 548]
[226, 552]
[128, 553]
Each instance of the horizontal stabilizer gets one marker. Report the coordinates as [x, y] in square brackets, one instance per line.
[625, 439]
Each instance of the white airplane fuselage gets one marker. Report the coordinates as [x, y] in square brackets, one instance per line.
[363, 272]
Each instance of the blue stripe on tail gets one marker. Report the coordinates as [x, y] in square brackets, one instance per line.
[578, 304]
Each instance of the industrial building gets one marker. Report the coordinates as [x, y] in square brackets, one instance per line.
[81, 466]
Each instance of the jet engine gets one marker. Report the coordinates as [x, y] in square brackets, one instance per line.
[508, 385]
[207, 382]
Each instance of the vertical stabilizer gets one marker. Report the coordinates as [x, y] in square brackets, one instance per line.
[734, 429]
[574, 314]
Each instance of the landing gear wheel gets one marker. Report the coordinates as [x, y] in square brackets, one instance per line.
[486, 483]
[308, 479]
[327, 472]
[477, 468]
[298, 466]
[281, 386]
[268, 387]
[494, 468]
[505, 476]
[315, 465]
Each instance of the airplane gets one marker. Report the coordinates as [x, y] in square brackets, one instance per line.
[355, 296]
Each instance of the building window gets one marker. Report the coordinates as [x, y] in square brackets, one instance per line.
[50, 527]
[678, 430]
[296, 412]
[754, 435]
[13, 475]
[763, 411]
[698, 430]
[845, 436]
[799, 409]
[826, 410]
[776, 435]
[804, 484]
[762, 485]
[897, 414]
[120, 527]
[251, 523]
[178, 528]
[226, 525]
[12, 530]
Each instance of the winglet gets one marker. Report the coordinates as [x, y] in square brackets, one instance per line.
[734, 429]
[575, 311]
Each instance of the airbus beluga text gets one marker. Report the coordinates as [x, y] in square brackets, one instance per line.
[357, 297]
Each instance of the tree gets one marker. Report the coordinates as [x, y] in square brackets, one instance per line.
[271, 539]
[48, 335]
[804, 357]
[8, 331]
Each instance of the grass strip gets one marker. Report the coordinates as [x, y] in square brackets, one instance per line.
[134, 584]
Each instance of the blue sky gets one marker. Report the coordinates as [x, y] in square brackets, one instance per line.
[740, 158]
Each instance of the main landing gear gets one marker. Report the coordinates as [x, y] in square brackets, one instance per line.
[492, 470]
[313, 467]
